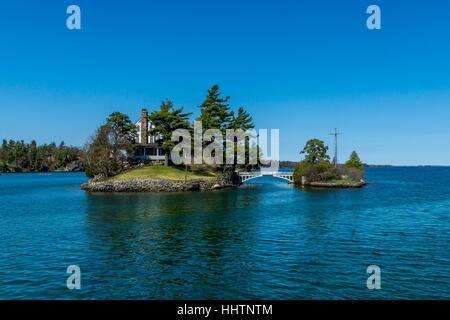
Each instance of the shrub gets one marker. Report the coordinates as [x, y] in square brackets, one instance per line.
[301, 170]
[331, 174]
[353, 173]
[315, 172]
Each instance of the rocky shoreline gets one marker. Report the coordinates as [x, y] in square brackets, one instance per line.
[158, 185]
[335, 185]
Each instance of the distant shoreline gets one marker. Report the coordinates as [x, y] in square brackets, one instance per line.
[41, 172]
[402, 166]
[382, 166]
[284, 167]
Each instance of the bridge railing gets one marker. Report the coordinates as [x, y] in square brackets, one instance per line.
[265, 173]
[247, 173]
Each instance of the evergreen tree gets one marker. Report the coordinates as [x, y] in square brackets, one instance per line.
[122, 126]
[243, 121]
[165, 121]
[122, 134]
[315, 151]
[32, 153]
[215, 112]
[10, 156]
[354, 162]
[4, 151]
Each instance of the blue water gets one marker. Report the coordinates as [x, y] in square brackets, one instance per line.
[264, 240]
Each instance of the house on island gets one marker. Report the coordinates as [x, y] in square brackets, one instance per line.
[147, 148]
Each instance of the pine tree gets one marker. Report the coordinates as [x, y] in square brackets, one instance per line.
[165, 121]
[97, 156]
[354, 162]
[242, 121]
[123, 133]
[122, 127]
[215, 112]
[4, 151]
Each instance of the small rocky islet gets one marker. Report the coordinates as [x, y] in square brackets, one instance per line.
[160, 185]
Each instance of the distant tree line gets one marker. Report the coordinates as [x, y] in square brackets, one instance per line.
[18, 156]
[282, 164]
[287, 164]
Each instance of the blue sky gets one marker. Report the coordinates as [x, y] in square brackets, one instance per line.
[304, 67]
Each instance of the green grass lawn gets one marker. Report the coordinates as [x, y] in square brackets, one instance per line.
[167, 173]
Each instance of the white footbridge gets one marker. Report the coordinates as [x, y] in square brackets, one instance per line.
[245, 176]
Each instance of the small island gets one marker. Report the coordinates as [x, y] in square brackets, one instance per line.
[126, 156]
[159, 178]
[316, 171]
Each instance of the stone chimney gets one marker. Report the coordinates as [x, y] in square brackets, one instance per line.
[144, 126]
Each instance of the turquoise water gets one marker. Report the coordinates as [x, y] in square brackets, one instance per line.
[264, 240]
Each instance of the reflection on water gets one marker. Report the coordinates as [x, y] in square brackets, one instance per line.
[172, 240]
[264, 240]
